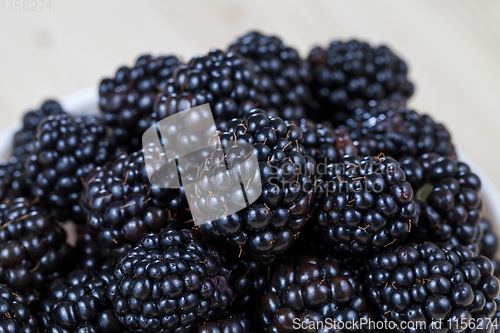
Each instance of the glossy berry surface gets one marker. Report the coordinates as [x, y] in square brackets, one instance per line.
[270, 222]
[233, 324]
[448, 192]
[347, 75]
[284, 75]
[15, 316]
[124, 206]
[366, 205]
[33, 248]
[65, 151]
[427, 283]
[127, 99]
[311, 290]
[171, 282]
[79, 303]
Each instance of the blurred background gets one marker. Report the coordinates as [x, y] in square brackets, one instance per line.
[53, 48]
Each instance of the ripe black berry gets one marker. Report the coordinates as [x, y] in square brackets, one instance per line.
[366, 205]
[349, 74]
[426, 283]
[268, 225]
[284, 75]
[128, 99]
[65, 151]
[171, 282]
[15, 316]
[233, 324]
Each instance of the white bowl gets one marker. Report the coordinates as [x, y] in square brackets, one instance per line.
[86, 102]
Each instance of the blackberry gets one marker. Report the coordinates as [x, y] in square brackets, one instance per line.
[268, 225]
[79, 303]
[129, 97]
[285, 76]
[448, 193]
[33, 248]
[170, 282]
[91, 255]
[366, 205]
[22, 139]
[233, 324]
[310, 291]
[15, 316]
[489, 245]
[123, 205]
[347, 75]
[396, 131]
[66, 150]
[426, 283]
[13, 183]
[225, 80]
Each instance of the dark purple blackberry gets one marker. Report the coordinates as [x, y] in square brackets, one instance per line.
[325, 144]
[366, 205]
[171, 282]
[448, 193]
[129, 97]
[312, 290]
[268, 225]
[65, 151]
[225, 80]
[391, 129]
[426, 283]
[22, 139]
[284, 75]
[124, 206]
[233, 324]
[13, 183]
[79, 303]
[489, 245]
[91, 255]
[33, 247]
[349, 74]
[15, 316]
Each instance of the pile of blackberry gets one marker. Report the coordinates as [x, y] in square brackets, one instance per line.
[285, 76]
[319, 199]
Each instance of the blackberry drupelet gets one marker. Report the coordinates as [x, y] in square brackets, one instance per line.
[394, 130]
[449, 198]
[489, 245]
[426, 283]
[285, 76]
[366, 205]
[271, 221]
[33, 248]
[233, 324]
[171, 282]
[22, 139]
[79, 303]
[128, 99]
[311, 290]
[347, 75]
[124, 206]
[225, 80]
[15, 316]
[65, 151]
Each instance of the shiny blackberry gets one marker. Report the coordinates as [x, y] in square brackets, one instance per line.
[15, 316]
[123, 205]
[79, 303]
[22, 139]
[285, 76]
[347, 75]
[129, 97]
[426, 283]
[225, 80]
[171, 281]
[64, 152]
[233, 324]
[33, 247]
[92, 255]
[449, 198]
[312, 290]
[270, 222]
[13, 182]
[489, 245]
[366, 205]
[391, 129]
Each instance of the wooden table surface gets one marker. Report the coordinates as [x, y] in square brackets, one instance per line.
[452, 47]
